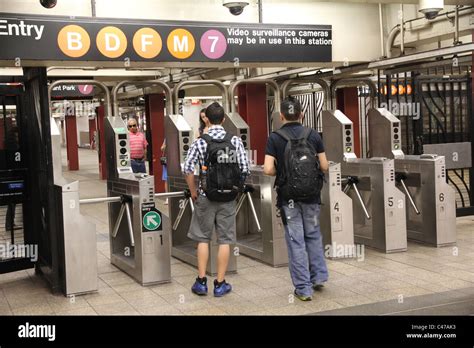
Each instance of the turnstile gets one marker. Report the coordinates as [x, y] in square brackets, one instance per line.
[260, 232]
[179, 137]
[336, 217]
[431, 217]
[77, 236]
[379, 207]
[139, 233]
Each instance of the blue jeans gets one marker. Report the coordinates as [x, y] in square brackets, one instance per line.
[305, 247]
[138, 166]
[164, 176]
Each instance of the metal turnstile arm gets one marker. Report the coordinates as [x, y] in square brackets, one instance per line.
[247, 194]
[352, 183]
[180, 215]
[171, 194]
[364, 208]
[254, 213]
[100, 200]
[410, 198]
[118, 221]
[129, 221]
[239, 204]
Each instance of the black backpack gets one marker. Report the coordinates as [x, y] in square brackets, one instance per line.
[223, 178]
[302, 178]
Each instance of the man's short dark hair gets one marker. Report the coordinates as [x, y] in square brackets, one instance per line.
[291, 108]
[215, 113]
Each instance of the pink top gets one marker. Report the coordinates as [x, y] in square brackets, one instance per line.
[138, 145]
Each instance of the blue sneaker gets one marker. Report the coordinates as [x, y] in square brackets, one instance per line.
[200, 288]
[221, 290]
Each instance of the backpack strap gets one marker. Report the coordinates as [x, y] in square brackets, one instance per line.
[207, 138]
[228, 137]
[281, 177]
[306, 133]
[282, 132]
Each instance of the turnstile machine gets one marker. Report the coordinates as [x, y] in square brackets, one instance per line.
[140, 242]
[77, 236]
[260, 232]
[336, 216]
[379, 206]
[431, 217]
[179, 137]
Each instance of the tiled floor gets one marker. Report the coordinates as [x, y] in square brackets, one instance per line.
[400, 279]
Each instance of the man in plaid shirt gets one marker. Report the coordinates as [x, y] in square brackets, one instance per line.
[210, 214]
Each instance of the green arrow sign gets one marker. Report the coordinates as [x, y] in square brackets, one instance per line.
[151, 220]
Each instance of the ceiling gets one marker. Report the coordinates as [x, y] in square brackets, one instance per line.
[446, 2]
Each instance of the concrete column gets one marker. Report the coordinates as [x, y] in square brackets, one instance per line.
[155, 134]
[92, 130]
[253, 109]
[102, 158]
[347, 101]
[71, 140]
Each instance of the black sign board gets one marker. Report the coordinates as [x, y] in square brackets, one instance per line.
[51, 38]
[152, 219]
[74, 91]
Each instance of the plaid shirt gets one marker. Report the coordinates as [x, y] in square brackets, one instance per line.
[199, 147]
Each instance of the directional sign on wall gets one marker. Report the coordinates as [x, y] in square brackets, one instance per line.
[51, 38]
[80, 91]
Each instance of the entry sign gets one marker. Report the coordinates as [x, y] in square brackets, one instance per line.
[151, 218]
[53, 38]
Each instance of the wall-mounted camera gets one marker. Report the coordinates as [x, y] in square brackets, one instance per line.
[235, 7]
[431, 8]
[48, 3]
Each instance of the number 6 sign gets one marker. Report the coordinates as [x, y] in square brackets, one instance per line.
[213, 44]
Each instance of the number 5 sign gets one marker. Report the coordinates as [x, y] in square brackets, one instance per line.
[213, 44]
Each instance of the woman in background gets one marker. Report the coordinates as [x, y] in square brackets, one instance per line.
[203, 122]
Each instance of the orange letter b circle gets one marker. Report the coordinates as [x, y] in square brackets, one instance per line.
[74, 41]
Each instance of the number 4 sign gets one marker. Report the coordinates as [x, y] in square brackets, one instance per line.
[213, 44]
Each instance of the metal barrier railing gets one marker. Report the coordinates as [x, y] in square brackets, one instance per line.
[108, 100]
[148, 83]
[217, 83]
